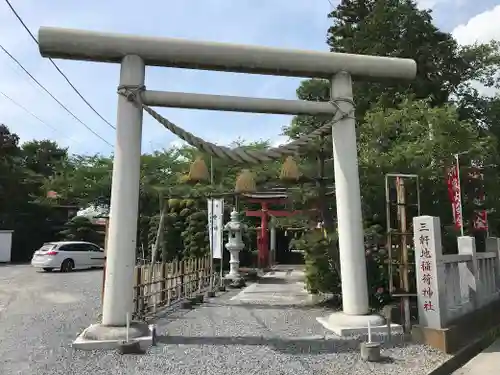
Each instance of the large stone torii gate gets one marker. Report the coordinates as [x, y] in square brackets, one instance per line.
[134, 53]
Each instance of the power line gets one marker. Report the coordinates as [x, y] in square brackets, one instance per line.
[27, 111]
[31, 113]
[52, 96]
[56, 66]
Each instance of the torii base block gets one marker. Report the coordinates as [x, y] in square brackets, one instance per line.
[99, 336]
[345, 325]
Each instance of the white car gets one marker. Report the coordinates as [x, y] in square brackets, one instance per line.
[68, 255]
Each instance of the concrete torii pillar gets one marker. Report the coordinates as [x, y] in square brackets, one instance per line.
[134, 52]
[122, 229]
[121, 259]
[355, 308]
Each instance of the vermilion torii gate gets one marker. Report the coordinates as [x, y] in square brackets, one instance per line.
[134, 53]
[265, 214]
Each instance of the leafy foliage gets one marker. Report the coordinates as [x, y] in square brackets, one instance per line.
[322, 262]
[323, 267]
[79, 229]
[195, 235]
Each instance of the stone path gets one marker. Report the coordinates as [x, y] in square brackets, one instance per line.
[485, 363]
[283, 286]
[254, 331]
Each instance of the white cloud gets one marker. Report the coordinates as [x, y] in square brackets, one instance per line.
[279, 141]
[426, 4]
[431, 4]
[481, 28]
[177, 143]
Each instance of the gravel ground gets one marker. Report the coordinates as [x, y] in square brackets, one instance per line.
[217, 338]
[40, 314]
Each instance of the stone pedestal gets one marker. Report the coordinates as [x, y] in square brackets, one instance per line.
[345, 325]
[234, 260]
[100, 336]
[234, 245]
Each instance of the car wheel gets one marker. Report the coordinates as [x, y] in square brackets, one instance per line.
[67, 265]
[48, 269]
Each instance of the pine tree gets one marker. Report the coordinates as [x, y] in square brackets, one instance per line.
[80, 229]
[195, 236]
[171, 246]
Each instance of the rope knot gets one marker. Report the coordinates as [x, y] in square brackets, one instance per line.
[131, 92]
[335, 102]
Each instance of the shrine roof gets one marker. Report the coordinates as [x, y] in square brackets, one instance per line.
[267, 195]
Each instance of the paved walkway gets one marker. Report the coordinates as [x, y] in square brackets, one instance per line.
[485, 363]
[281, 287]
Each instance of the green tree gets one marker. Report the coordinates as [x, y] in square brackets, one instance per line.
[174, 226]
[23, 172]
[11, 176]
[195, 233]
[445, 74]
[398, 28]
[171, 245]
[82, 180]
[80, 229]
[420, 139]
[43, 157]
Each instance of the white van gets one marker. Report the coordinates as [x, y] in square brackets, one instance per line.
[68, 255]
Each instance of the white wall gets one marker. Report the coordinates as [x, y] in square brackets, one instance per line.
[5, 245]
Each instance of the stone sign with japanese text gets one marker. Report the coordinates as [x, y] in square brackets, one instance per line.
[428, 251]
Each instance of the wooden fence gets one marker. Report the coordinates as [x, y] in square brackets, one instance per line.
[162, 285]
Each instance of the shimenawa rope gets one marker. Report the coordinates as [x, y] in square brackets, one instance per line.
[238, 155]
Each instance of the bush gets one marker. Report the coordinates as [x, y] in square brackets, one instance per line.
[322, 268]
[377, 270]
[321, 265]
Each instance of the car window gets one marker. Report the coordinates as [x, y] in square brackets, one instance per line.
[92, 247]
[84, 247]
[47, 247]
[73, 247]
[65, 248]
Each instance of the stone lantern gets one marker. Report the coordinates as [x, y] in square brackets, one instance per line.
[234, 245]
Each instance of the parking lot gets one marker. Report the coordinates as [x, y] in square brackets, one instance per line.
[41, 314]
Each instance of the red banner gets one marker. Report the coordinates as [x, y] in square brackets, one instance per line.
[480, 219]
[454, 193]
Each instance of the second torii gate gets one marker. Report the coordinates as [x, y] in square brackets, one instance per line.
[266, 199]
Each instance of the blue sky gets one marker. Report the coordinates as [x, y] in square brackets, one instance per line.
[298, 24]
